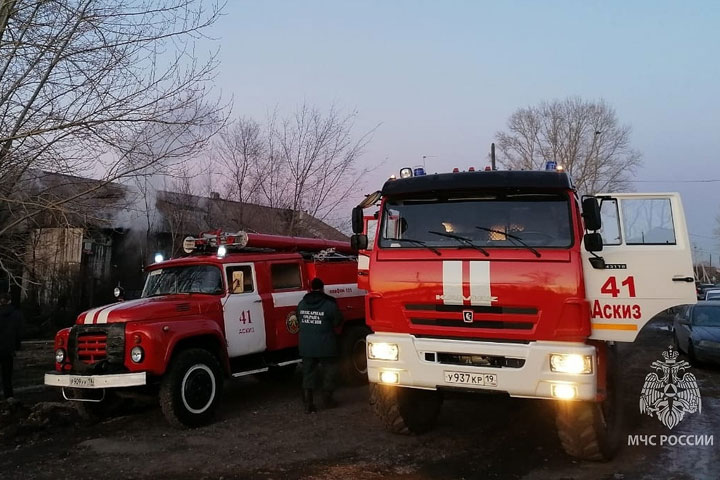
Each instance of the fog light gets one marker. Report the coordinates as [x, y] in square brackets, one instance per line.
[137, 354]
[570, 363]
[383, 351]
[563, 391]
[389, 377]
[59, 355]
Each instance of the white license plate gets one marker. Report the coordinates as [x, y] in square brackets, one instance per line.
[82, 382]
[478, 379]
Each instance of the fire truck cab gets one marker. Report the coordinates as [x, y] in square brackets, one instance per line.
[227, 310]
[506, 281]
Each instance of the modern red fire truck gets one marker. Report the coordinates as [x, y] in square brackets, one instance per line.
[226, 310]
[506, 281]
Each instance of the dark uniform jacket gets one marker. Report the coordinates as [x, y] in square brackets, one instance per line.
[10, 324]
[318, 315]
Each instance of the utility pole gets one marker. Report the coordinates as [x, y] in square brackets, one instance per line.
[492, 156]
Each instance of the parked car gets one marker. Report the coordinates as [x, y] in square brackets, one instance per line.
[701, 288]
[712, 294]
[696, 331]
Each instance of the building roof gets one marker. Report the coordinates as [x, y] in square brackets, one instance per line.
[114, 205]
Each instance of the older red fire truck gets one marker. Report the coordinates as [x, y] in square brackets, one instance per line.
[506, 281]
[216, 313]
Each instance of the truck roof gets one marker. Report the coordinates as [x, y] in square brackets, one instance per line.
[447, 182]
[231, 257]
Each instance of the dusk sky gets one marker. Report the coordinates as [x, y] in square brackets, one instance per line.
[441, 78]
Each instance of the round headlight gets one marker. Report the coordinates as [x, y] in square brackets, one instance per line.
[59, 355]
[137, 354]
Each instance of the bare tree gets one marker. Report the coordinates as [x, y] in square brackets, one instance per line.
[585, 138]
[319, 155]
[240, 150]
[102, 88]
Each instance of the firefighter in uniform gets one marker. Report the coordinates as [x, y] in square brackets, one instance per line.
[318, 316]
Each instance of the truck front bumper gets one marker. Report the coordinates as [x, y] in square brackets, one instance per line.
[521, 370]
[117, 380]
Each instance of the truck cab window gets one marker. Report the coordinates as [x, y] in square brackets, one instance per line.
[186, 279]
[610, 230]
[240, 279]
[648, 221]
[538, 220]
[285, 276]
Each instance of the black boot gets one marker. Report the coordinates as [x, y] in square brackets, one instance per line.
[308, 401]
[328, 400]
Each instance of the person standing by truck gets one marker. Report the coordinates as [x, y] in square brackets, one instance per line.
[10, 323]
[318, 316]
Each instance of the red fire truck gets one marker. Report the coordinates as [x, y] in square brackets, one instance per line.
[226, 310]
[507, 281]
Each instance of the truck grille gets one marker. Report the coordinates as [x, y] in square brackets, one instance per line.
[91, 347]
[496, 361]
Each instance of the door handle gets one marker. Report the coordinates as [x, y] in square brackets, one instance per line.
[683, 279]
[257, 301]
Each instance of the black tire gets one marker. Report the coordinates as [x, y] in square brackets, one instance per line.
[405, 410]
[593, 430]
[191, 388]
[353, 354]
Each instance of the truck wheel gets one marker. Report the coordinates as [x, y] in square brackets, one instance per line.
[190, 390]
[354, 356]
[405, 410]
[592, 430]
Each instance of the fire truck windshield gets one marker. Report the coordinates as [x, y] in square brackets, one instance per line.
[205, 279]
[503, 221]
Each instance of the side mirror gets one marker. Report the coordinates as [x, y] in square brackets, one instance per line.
[591, 214]
[358, 242]
[593, 242]
[358, 224]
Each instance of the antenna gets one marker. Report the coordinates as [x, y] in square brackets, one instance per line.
[427, 156]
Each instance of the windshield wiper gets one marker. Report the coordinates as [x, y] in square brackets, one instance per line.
[464, 240]
[416, 242]
[512, 237]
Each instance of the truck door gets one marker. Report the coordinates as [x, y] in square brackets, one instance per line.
[647, 264]
[287, 290]
[243, 312]
[364, 255]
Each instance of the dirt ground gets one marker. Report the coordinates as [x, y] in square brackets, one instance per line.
[262, 433]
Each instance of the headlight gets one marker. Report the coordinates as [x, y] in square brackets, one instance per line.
[406, 172]
[708, 344]
[59, 355]
[383, 351]
[570, 363]
[137, 354]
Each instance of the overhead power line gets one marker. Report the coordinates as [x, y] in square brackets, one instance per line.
[712, 180]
